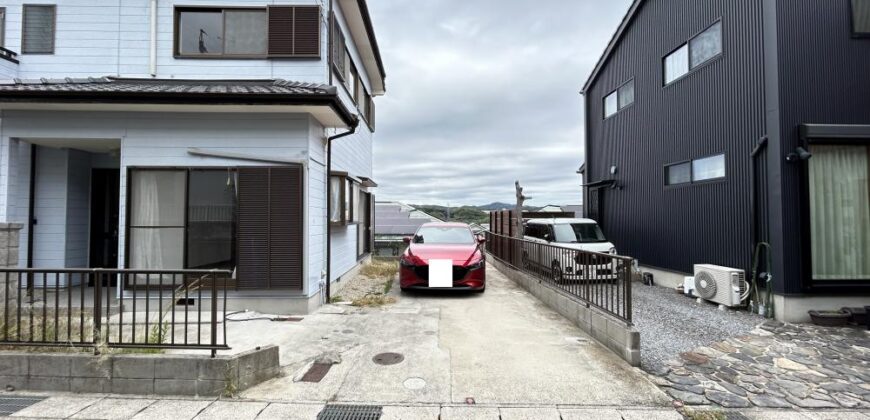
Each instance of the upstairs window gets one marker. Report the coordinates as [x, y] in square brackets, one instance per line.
[38, 29]
[276, 31]
[861, 18]
[619, 99]
[699, 50]
[698, 170]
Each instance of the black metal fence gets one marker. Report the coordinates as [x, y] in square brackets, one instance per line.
[601, 280]
[155, 309]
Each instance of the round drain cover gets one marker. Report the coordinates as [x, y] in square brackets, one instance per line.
[414, 383]
[387, 359]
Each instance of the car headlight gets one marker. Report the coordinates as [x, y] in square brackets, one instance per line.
[478, 265]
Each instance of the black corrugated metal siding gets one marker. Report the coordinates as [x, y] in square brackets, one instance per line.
[716, 108]
[824, 78]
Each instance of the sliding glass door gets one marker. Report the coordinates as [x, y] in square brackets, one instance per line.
[840, 213]
[182, 218]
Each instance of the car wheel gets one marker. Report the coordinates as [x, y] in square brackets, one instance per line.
[556, 271]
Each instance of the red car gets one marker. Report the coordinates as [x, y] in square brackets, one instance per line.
[443, 256]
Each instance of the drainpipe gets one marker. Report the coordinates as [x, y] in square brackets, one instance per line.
[753, 197]
[329, 141]
[153, 53]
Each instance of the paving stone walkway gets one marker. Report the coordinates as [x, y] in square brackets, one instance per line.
[777, 365]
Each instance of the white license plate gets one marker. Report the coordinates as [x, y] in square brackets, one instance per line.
[440, 273]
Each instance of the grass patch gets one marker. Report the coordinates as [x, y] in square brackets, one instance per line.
[373, 300]
[388, 285]
[380, 269]
[336, 299]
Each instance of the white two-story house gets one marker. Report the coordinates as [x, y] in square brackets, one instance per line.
[192, 134]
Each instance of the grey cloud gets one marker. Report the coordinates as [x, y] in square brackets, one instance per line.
[484, 92]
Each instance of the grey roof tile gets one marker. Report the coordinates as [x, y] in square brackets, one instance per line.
[124, 85]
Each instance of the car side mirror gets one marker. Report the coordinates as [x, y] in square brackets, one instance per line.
[407, 239]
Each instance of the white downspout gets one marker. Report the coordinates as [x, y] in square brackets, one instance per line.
[153, 55]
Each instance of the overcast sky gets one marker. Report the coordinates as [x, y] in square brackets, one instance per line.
[484, 92]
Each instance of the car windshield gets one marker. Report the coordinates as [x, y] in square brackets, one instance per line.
[578, 233]
[434, 235]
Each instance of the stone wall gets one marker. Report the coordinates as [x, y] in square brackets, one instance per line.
[141, 374]
[9, 245]
[622, 339]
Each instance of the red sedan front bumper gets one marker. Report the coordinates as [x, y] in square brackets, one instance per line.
[417, 277]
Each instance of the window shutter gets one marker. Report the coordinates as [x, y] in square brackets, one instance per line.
[285, 227]
[253, 228]
[280, 30]
[294, 31]
[270, 228]
[38, 30]
[306, 31]
[372, 114]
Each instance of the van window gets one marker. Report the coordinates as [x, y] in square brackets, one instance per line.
[579, 233]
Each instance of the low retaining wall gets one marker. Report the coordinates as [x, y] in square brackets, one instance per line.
[151, 374]
[612, 333]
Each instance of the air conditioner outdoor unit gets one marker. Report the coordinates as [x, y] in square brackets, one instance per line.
[719, 284]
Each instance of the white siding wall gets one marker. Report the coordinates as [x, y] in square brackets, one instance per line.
[113, 37]
[8, 69]
[316, 204]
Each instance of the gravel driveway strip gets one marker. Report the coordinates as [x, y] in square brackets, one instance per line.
[671, 323]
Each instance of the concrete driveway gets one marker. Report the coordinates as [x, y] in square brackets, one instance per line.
[499, 348]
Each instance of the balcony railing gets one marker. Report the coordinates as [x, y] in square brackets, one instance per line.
[9, 55]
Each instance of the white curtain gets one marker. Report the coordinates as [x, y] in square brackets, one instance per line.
[840, 212]
[157, 219]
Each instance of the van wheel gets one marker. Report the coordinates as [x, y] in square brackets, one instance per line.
[556, 272]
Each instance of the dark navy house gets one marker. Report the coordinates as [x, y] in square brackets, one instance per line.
[712, 125]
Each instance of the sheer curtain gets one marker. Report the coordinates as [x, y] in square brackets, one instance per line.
[157, 219]
[840, 212]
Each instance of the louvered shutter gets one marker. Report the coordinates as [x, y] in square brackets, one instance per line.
[306, 31]
[294, 31]
[285, 228]
[253, 228]
[270, 228]
[38, 29]
[337, 45]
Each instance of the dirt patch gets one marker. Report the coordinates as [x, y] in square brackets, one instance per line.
[371, 287]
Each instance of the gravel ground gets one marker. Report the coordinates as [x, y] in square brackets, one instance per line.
[359, 286]
[671, 323]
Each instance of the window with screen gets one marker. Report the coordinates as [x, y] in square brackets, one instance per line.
[38, 29]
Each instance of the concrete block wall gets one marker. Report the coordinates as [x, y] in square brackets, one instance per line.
[140, 374]
[612, 333]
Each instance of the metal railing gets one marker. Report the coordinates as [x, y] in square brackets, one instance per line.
[155, 309]
[8, 55]
[601, 280]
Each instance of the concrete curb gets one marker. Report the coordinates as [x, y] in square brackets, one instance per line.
[621, 339]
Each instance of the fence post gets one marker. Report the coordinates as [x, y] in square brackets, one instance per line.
[627, 281]
[214, 308]
[98, 315]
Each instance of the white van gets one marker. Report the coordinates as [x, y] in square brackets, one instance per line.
[557, 237]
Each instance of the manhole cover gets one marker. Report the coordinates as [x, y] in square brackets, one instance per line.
[387, 359]
[414, 383]
[350, 412]
[11, 405]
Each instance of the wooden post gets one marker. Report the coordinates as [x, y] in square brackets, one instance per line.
[517, 225]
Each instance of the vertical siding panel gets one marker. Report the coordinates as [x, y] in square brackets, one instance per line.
[716, 108]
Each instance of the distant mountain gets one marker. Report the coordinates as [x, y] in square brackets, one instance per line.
[496, 206]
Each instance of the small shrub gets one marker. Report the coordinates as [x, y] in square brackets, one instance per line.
[380, 269]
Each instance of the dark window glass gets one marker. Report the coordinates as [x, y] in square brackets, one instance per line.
[38, 30]
[578, 233]
[201, 32]
[679, 173]
[2, 26]
[211, 230]
[861, 17]
[706, 45]
[444, 235]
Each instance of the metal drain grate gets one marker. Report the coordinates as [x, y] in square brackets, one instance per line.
[11, 405]
[350, 412]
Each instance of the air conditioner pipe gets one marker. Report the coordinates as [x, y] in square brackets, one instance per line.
[753, 188]
[329, 141]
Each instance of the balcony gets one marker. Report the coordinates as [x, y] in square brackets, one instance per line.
[8, 64]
